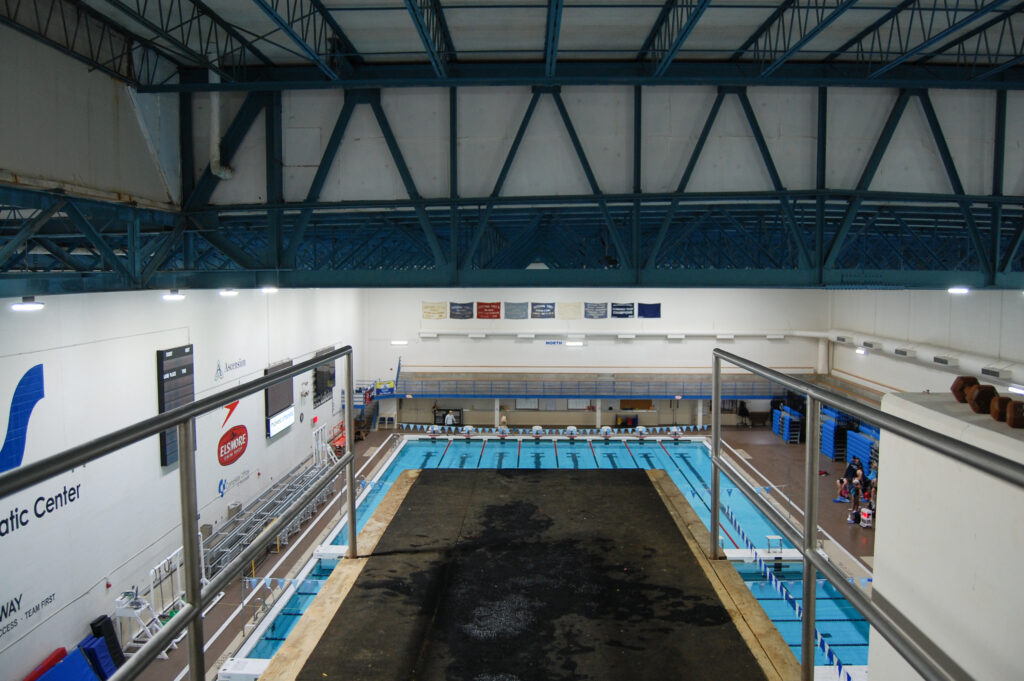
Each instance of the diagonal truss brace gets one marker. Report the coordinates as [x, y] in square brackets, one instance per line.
[28, 230]
[83, 33]
[428, 18]
[789, 30]
[673, 26]
[315, 32]
[551, 34]
[194, 31]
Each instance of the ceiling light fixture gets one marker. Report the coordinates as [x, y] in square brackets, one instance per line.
[229, 292]
[958, 290]
[28, 304]
[862, 351]
[173, 295]
[269, 289]
[399, 342]
[1016, 389]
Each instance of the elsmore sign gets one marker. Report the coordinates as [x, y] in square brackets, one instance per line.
[232, 445]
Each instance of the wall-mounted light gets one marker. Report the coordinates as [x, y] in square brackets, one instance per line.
[958, 290]
[174, 295]
[1016, 389]
[576, 336]
[574, 343]
[477, 336]
[626, 336]
[676, 336]
[399, 342]
[28, 304]
[229, 292]
[428, 334]
[525, 336]
[775, 336]
[725, 336]
[268, 289]
[862, 351]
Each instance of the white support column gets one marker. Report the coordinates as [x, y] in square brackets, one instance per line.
[597, 411]
[700, 413]
[497, 411]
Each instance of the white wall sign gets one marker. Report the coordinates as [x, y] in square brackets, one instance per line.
[278, 422]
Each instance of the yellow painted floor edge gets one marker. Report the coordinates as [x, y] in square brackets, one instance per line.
[764, 640]
[291, 657]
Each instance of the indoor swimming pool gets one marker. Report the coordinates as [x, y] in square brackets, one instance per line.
[688, 464]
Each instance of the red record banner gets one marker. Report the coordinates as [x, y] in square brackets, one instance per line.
[488, 310]
[232, 445]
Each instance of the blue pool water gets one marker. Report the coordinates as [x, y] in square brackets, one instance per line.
[687, 463]
[842, 627]
[289, 616]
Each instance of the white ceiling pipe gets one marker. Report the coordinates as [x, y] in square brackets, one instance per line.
[222, 171]
[969, 363]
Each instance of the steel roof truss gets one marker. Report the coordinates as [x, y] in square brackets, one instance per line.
[673, 26]
[428, 18]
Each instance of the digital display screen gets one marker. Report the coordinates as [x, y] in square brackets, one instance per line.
[175, 388]
[278, 396]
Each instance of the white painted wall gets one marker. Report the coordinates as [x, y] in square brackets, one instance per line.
[98, 354]
[948, 547]
[986, 324]
[65, 126]
[603, 118]
[397, 314]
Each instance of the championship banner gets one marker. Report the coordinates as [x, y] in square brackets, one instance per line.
[488, 310]
[542, 310]
[569, 310]
[385, 387]
[596, 310]
[435, 310]
[622, 310]
[461, 311]
[649, 310]
[517, 310]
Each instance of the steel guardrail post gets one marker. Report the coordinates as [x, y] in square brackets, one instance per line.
[812, 436]
[350, 476]
[190, 544]
[716, 448]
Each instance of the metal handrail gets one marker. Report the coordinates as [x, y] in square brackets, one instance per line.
[196, 596]
[912, 649]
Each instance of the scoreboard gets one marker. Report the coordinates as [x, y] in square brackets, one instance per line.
[176, 387]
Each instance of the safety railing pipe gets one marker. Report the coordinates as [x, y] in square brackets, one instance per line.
[716, 449]
[190, 539]
[911, 651]
[350, 477]
[976, 457]
[31, 474]
[807, 641]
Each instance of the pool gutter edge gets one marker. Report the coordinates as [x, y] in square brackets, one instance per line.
[290, 658]
[765, 642]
